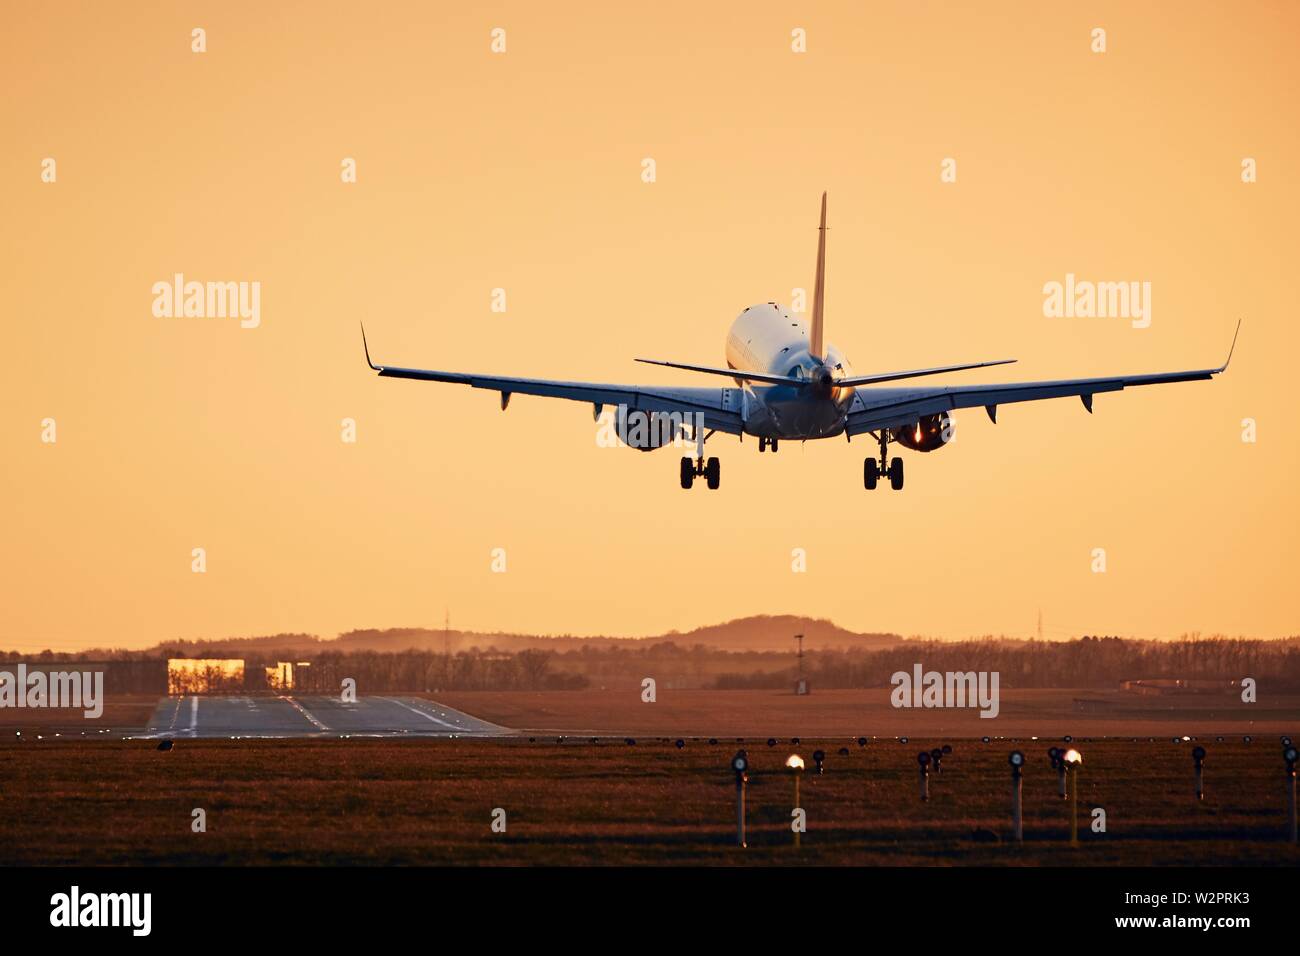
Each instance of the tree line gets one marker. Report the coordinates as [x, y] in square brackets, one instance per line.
[1096, 662]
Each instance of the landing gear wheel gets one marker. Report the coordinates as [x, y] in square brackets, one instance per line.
[896, 474]
[713, 473]
[870, 474]
[688, 472]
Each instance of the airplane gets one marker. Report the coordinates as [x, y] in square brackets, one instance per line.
[793, 385]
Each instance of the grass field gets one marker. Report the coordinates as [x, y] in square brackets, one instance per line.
[868, 712]
[430, 801]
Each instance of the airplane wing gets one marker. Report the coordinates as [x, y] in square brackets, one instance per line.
[721, 407]
[896, 407]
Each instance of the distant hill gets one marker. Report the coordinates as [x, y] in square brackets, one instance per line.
[750, 634]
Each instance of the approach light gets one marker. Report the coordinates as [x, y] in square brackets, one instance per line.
[713, 741]
[923, 759]
[902, 740]
[819, 757]
[1072, 757]
[984, 739]
[794, 762]
[862, 741]
[947, 748]
[679, 744]
[1289, 756]
[1016, 759]
[1246, 739]
[1198, 754]
[794, 741]
[1068, 739]
[1286, 741]
[740, 762]
[771, 741]
[844, 751]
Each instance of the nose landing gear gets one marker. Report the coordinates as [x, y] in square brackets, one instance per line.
[873, 470]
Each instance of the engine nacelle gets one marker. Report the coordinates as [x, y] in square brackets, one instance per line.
[931, 432]
[646, 431]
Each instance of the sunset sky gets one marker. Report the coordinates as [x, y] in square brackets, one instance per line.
[522, 170]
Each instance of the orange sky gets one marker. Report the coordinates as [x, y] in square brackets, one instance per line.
[522, 171]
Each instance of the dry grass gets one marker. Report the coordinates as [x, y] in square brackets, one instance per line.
[430, 801]
[854, 712]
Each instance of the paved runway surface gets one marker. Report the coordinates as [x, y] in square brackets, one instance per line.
[191, 716]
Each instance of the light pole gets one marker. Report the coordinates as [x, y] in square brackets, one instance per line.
[1017, 761]
[1289, 755]
[1198, 761]
[801, 687]
[795, 763]
[1072, 760]
[740, 764]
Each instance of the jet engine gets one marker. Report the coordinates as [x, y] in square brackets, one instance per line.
[931, 432]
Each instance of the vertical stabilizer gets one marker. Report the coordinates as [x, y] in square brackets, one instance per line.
[815, 344]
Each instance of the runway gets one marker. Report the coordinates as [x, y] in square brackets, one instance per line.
[293, 716]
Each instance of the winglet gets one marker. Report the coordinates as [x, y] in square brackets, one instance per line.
[1231, 348]
[367, 348]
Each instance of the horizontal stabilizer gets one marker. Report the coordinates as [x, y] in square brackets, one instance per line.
[764, 377]
[770, 379]
[916, 373]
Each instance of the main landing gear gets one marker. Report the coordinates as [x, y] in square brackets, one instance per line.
[873, 470]
[697, 467]
[709, 470]
[765, 443]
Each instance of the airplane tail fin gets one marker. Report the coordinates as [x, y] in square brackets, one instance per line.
[816, 343]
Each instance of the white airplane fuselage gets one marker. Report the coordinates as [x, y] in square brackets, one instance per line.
[769, 339]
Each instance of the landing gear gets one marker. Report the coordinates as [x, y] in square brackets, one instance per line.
[765, 443]
[873, 470]
[710, 471]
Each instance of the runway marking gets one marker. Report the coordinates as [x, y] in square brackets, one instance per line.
[306, 713]
[426, 716]
[176, 712]
[194, 714]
